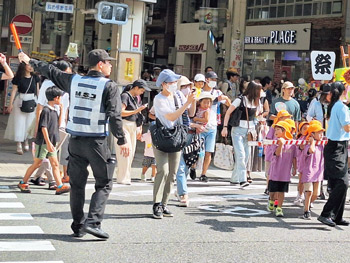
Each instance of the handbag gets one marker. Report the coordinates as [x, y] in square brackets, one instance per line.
[223, 157]
[191, 151]
[236, 115]
[169, 140]
[251, 135]
[28, 105]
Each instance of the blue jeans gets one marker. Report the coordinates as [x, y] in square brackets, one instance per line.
[181, 175]
[209, 140]
[242, 152]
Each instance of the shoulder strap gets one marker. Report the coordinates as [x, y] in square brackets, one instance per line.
[133, 99]
[30, 83]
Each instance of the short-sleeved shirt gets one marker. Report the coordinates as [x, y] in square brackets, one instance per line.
[315, 110]
[213, 120]
[252, 111]
[146, 137]
[23, 84]
[42, 100]
[281, 166]
[48, 119]
[312, 169]
[164, 105]
[131, 104]
[292, 106]
[340, 117]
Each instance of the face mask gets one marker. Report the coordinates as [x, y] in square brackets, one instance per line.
[212, 84]
[172, 87]
[186, 91]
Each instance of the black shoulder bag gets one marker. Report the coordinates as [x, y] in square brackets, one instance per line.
[169, 140]
[236, 114]
[28, 105]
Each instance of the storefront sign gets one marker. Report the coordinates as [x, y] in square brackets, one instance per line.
[322, 64]
[236, 55]
[23, 39]
[191, 48]
[59, 8]
[278, 37]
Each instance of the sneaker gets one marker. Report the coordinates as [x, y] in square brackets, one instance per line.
[279, 212]
[52, 186]
[312, 205]
[270, 205]
[38, 181]
[244, 184]
[152, 179]
[203, 178]
[157, 211]
[143, 178]
[184, 201]
[266, 192]
[65, 179]
[26, 146]
[193, 174]
[19, 149]
[298, 202]
[307, 215]
[166, 211]
[64, 189]
[24, 187]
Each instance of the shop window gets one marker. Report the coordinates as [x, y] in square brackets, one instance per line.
[281, 1]
[289, 10]
[298, 10]
[250, 3]
[265, 13]
[190, 8]
[250, 13]
[257, 2]
[273, 12]
[316, 9]
[265, 2]
[257, 13]
[336, 7]
[280, 11]
[273, 2]
[290, 1]
[307, 10]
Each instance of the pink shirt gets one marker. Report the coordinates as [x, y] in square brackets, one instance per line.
[300, 155]
[312, 170]
[200, 114]
[281, 166]
[268, 149]
[146, 137]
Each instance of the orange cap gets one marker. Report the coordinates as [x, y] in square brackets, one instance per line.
[315, 122]
[286, 126]
[291, 123]
[302, 124]
[314, 128]
[282, 113]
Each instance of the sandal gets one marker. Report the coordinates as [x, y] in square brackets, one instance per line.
[203, 178]
[38, 181]
[249, 179]
[52, 186]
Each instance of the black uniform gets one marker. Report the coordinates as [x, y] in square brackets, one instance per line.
[89, 150]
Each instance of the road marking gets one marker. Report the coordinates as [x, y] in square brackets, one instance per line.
[11, 205]
[7, 195]
[15, 216]
[31, 262]
[236, 210]
[21, 230]
[4, 187]
[30, 245]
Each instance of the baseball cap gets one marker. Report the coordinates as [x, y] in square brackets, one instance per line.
[326, 89]
[287, 85]
[211, 75]
[97, 55]
[199, 77]
[141, 84]
[166, 75]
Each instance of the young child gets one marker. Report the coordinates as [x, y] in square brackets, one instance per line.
[312, 170]
[303, 126]
[281, 116]
[203, 111]
[46, 139]
[148, 157]
[281, 164]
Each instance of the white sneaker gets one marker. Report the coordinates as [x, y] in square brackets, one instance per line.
[19, 148]
[298, 202]
[312, 205]
[143, 178]
[184, 201]
[26, 146]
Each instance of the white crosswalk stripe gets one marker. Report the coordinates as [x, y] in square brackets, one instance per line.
[21, 230]
[30, 245]
[11, 205]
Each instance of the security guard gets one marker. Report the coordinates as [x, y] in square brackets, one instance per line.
[94, 103]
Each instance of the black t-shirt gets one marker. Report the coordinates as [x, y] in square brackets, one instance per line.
[48, 119]
[131, 104]
[24, 82]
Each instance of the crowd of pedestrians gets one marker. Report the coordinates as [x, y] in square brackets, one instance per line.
[75, 114]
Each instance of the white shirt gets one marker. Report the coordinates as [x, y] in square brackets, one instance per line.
[164, 105]
[213, 120]
[42, 100]
[249, 104]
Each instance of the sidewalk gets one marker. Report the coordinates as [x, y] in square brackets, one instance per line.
[12, 164]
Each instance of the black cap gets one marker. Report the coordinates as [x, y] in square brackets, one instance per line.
[211, 75]
[141, 84]
[97, 55]
[326, 88]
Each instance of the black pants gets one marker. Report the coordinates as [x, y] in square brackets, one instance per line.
[336, 172]
[82, 152]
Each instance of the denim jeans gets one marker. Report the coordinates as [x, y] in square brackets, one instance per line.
[181, 175]
[241, 153]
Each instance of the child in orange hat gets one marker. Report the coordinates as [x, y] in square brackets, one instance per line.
[281, 164]
[312, 170]
[303, 126]
[281, 116]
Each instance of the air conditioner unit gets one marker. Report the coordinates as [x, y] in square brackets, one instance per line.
[172, 56]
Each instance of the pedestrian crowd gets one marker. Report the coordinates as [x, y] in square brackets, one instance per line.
[71, 116]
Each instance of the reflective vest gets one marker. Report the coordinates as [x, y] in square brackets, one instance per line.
[87, 115]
